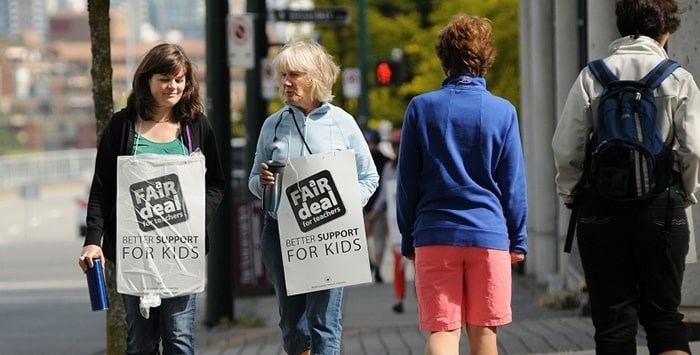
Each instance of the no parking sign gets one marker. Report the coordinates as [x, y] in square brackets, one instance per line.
[269, 79]
[240, 41]
[351, 82]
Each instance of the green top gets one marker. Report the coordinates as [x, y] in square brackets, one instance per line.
[145, 146]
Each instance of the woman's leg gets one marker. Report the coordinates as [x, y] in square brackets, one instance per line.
[482, 340]
[661, 264]
[439, 293]
[444, 343]
[399, 280]
[606, 242]
[177, 324]
[142, 334]
[323, 314]
[487, 299]
[379, 231]
[295, 334]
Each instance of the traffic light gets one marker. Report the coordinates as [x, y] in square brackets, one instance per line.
[387, 72]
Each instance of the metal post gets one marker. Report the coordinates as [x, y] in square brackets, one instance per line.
[363, 102]
[256, 106]
[219, 266]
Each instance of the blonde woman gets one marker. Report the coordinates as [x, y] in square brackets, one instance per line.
[307, 124]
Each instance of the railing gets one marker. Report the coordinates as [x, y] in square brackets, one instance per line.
[52, 166]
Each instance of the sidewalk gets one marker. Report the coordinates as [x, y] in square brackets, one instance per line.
[370, 326]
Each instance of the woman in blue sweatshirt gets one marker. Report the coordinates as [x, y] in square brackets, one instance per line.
[307, 124]
[461, 195]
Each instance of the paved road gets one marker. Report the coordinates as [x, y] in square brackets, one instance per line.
[44, 304]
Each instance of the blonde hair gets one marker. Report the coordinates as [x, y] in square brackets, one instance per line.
[311, 58]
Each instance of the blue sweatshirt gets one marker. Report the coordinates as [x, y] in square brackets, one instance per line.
[327, 128]
[461, 178]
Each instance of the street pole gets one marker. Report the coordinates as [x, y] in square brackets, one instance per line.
[255, 106]
[219, 266]
[363, 102]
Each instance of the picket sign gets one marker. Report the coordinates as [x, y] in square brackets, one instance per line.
[322, 233]
[161, 225]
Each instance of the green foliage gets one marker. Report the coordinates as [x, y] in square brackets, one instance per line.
[10, 143]
[412, 26]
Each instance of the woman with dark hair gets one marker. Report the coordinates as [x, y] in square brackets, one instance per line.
[164, 115]
[633, 263]
[461, 201]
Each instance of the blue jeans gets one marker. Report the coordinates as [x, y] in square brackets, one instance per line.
[310, 320]
[172, 322]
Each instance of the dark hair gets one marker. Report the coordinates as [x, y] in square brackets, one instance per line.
[466, 45]
[372, 136]
[650, 18]
[165, 59]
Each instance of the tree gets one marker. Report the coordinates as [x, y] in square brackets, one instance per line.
[423, 69]
[412, 26]
[101, 72]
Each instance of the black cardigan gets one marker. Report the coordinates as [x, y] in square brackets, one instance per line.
[117, 139]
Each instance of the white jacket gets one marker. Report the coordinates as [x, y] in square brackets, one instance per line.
[677, 99]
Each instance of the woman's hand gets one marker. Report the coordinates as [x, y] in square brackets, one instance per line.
[516, 257]
[266, 176]
[89, 252]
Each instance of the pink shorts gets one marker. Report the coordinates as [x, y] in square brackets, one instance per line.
[456, 286]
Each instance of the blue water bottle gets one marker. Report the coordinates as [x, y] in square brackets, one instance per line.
[96, 286]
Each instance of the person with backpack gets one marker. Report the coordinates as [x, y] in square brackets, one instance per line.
[628, 164]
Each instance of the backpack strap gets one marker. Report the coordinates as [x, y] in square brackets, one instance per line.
[601, 72]
[189, 138]
[656, 76]
[660, 72]
[571, 230]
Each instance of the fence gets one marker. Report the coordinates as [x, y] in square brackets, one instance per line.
[52, 166]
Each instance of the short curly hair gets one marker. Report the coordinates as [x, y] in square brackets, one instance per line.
[651, 18]
[465, 45]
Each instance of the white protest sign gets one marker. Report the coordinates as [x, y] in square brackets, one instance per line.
[160, 225]
[322, 233]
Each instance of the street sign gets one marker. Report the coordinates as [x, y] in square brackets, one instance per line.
[240, 41]
[351, 82]
[337, 16]
[268, 79]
